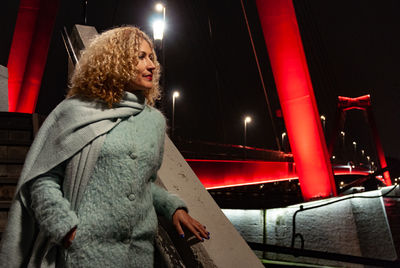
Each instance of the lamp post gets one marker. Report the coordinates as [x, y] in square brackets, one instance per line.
[159, 24]
[355, 151]
[283, 141]
[343, 134]
[247, 120]
[158, 35]
[174, 96]
[323, 119]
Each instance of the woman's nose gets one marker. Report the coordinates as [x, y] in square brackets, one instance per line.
[150, 65]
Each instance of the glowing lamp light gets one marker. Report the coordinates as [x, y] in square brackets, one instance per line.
[247, 119]
[175, 95]
[159, 7]
[158, 29]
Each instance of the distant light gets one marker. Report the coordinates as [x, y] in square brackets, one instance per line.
[342, 133]
[175, 95]
[247, 119]
[368, 157]
[159, 7]
[158, 29]
[322, 117]
[354, 143]
[341, 183]
[333, 157]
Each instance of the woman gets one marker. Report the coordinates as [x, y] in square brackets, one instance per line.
[86, 196]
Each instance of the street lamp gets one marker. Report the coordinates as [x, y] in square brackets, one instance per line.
[283, 141]
[343, 135]
[174, 96]
[160, 8]
[323, 119]
[158, 35]
[159, 25]
[158, 29]
[355, 151]
[247, 120]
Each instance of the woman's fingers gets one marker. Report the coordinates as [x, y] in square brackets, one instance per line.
[179, 230]
[181, 217]
[195, 231]
[204, 233]
[200, 229]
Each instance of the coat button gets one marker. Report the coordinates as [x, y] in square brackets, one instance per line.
[133, 155]
[131, 197]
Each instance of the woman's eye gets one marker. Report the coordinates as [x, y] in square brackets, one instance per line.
[141, 56]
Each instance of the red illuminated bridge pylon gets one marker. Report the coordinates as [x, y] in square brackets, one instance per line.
[360, 103]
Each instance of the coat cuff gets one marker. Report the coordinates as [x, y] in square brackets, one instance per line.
[165, 203]
[52, 211]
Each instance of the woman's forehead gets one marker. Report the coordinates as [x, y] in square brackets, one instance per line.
[145, 46]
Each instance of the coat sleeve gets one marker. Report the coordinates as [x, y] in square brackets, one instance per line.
[52, 211]
[165, 203]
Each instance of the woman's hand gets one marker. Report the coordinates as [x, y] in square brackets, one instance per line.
[182, 218]
[67, 241]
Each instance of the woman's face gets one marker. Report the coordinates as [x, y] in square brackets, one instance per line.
[145, 68]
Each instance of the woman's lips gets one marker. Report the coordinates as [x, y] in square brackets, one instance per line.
[149, 77]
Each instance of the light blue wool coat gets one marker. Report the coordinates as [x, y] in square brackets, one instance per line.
[74, 134]
[116, 218]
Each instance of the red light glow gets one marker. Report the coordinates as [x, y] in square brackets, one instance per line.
[289, 66]
[222, 173]
[215, 174]
[28, 52]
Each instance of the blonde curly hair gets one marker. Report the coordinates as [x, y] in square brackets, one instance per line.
[107, 67]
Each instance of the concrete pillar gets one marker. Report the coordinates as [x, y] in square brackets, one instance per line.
[3, 89]
[226, 248]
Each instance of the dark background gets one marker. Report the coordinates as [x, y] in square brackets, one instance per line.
[352, 49]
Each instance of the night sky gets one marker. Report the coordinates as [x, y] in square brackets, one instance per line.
[352, 48]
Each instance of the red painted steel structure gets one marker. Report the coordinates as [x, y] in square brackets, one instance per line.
[360, 103]
[289, 66]
[28, 52]
[229, 173]
[215, 174]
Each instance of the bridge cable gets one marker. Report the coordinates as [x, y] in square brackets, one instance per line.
[261, 77]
